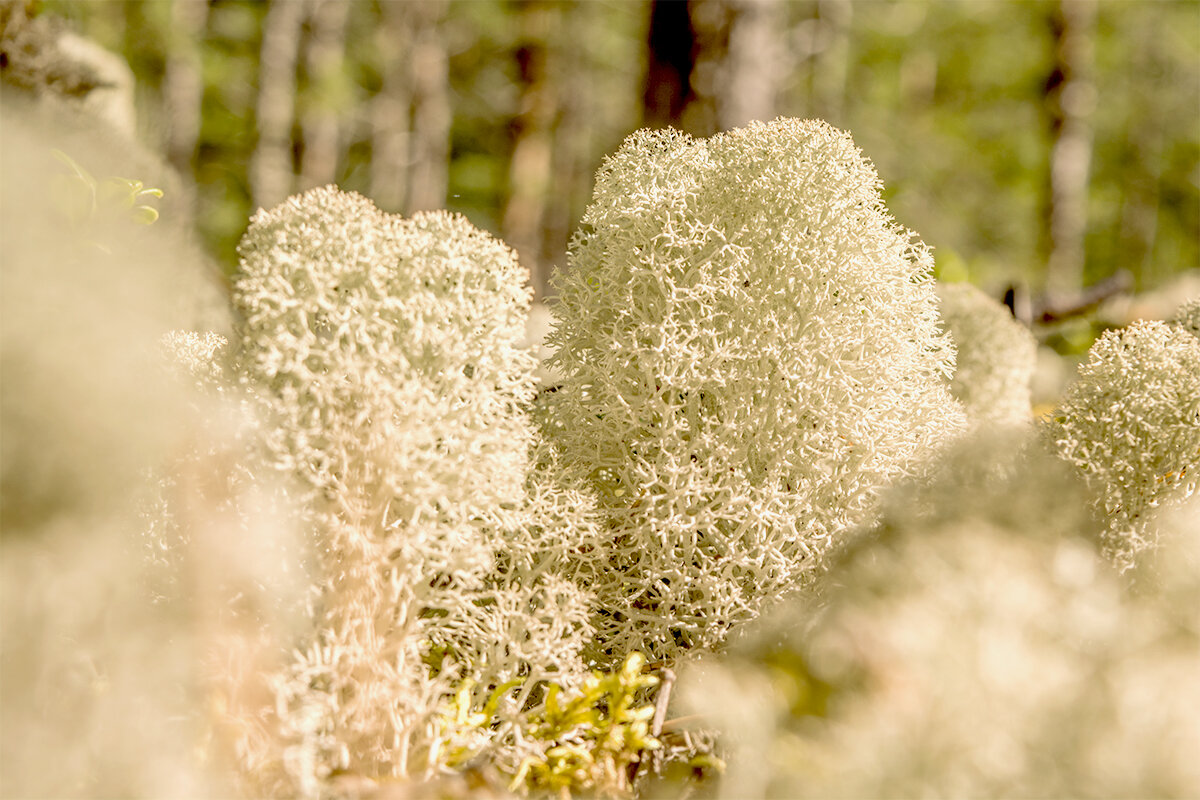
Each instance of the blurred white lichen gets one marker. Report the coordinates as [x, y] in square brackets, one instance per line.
[101, 695]
[996, 356]
[975, 644]
[749, 348]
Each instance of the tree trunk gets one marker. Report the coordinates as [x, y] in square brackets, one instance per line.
[1070, 99]
[530, 169]
[391, 109]
[746, 80]
[671, 44]
[832, 63]
[183, 83]
[271, 169]
[573, 141]
[430, 144]
[321, 122]
[735, 55]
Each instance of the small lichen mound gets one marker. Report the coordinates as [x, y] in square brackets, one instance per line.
[996, 357]
[1188, 317]
[1130, 423]
[750, 348]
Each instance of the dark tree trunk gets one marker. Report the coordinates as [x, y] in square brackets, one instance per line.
[714, 64]
[1070, 99]
[531, 168]
[672, 45]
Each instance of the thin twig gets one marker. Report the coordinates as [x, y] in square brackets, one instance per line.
[680, 722]
[666, 683]
[660, 703]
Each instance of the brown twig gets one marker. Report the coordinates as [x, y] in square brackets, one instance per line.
[1085, 300]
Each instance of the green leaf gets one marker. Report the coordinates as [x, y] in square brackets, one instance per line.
[144, 215]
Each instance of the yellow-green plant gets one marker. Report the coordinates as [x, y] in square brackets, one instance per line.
[87, 201]
[581, 739]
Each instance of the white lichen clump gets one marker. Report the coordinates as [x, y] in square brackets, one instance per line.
[750, 348]
[1130, 424]
[996, 357]
[387, 351]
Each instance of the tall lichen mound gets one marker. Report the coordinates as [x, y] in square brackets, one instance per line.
[750, 349]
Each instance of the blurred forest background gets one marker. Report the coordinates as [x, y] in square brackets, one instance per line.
[1048, 145]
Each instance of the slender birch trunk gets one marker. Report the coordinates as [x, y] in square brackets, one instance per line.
[748, 79]
[271, 170]
[391, 109]
[183, 83]
[322, 123]
[1070, 99]
[430, 144]
[832, 64]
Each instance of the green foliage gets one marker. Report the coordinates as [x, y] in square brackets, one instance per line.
[90, 205]
[946, 97]
[585, 739]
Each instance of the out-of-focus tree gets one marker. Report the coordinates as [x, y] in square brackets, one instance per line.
[391, 109]
[271, 168]
[533, 127]
[714, 64]
[543, 94]
[1070, 100]
[183, 82]
[432, 111]
[1144, 198]
[671, 45]
[457, 102]
[323, 117]
[741, 60]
